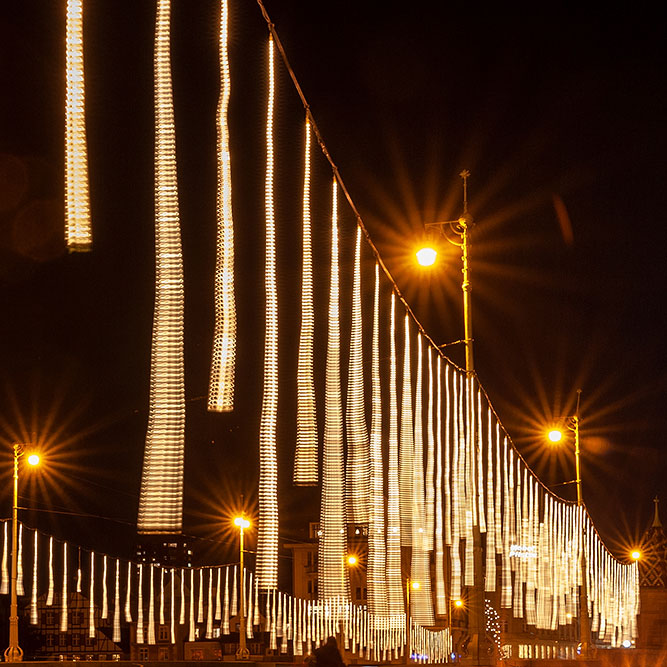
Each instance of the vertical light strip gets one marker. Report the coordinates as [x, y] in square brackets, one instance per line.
[172, 619]
[306, 458]
[19, 564]
[161, 613]
[332, 577]
[234, 606]
[116, 605]
[225, 605]
[267, 538]
[200, 597]
[191, 615]
[105, 600]
[490, 574]
[209, 607]
[151, 606]
[377, 583]
[394, 581]
[140, 606]
[358, 464]
[438, 542]
[181, 616]
[91, 598]
[161, 500]
[221, 386]
[34, 617]
[78, 235]
[407, 448]
[429, 482]
[128, 594]
[49, 595]
[4, 586]
[64, 595]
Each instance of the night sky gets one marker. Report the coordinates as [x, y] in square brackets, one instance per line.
[558, 113]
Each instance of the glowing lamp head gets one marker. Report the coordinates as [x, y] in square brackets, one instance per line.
[458, 604]
[415, 585]
[241, 522]
[555, 435]
[352, 560]
[426, 256]
[33, 459]
[636, 554]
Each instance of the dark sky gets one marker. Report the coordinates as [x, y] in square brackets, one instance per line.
[559, 115]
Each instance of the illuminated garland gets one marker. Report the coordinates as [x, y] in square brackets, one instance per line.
[116, 605]
[49, 595]
[161, 500]
[19, 564]
[105, 601]
[440, 592]
[151, 606]
[221, 386]
[490, 568]
[267, 538]
[394, 581]
[429, 481]
[377, 553]
[34, 619]
[407, 448]
[332, 574]
[140, 607]
[306, 456]
[63, 599]
[358, 464]
[78, 235]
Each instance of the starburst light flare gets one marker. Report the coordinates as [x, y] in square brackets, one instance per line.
[306, 456]
[333, 578]
[358, 464]
[223, 364]
[267, 538]
[161, 500]
[78, 235]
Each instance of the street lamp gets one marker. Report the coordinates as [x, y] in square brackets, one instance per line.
[636, 554]
[14, 653]
[426, 257]
[555, 436]
[242, 653]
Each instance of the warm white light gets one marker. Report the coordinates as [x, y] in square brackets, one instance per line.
[161, 499]
[352, 560]
[426, 256]
[241, 522]
[221, 385]
[636, 554]
[33, 459]
[555, 435]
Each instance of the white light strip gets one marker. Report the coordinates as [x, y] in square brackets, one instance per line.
[332, 573]
[34, 617]
[267, 538]
[440, 592]
[161, 500]
[429, 481]
[223, 363]
[78, 235]
[407, 448]
[358, 464]
[306, 456]
[64, 596]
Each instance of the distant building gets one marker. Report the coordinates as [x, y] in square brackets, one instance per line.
[165, 550]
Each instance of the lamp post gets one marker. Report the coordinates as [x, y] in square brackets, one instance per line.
[461, 228]
[14, 653]
[242, 653]
[572, 423]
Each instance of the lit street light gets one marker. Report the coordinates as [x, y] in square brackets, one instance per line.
[636, 554]
[14, 653]
[242, 653]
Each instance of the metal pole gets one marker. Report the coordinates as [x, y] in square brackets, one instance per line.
[465, 286]
[242, 653]
[14, 653]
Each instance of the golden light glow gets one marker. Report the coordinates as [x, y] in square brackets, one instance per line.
[161, 499]
[77, 209]
[415, 585]
[352, 560]
[33, 459]
[636, 554]
[223, 364]
[241, 522]
[426, 256]
[555, 435]
[458, 603]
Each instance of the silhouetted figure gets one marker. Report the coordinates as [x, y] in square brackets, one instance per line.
[328, 654]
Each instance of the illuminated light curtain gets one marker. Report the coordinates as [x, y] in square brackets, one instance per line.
[332, 573]
[223, 363]
[128, 594]
[267, 539]
[161, 613]
[105, 600]
[358, 463]
[19, 564]
[531, 611]
[256, 617]
[151, 606]
[91, 598]
[377, 554]
[34, 617]
[394, 581]
[519, 570]
[469, 492]
[233, 607]
[249, 608]
[172, 619]
[429, 481]
[225, 607]
[448, 458]
[191, 615]
[161, 499]
[457, 500]
[306, 456]
[407, 447]
[490, 568]
[181, 616]
[116, 605]
[78, 234]
[218, 597]
[200, 597]
[49, 595]
[140, 606]
[78, 571]
[420, 599]
[209, 608]
[481, 513]
[63, 599]
[438, 542]
[506, 574]
[498, 516]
